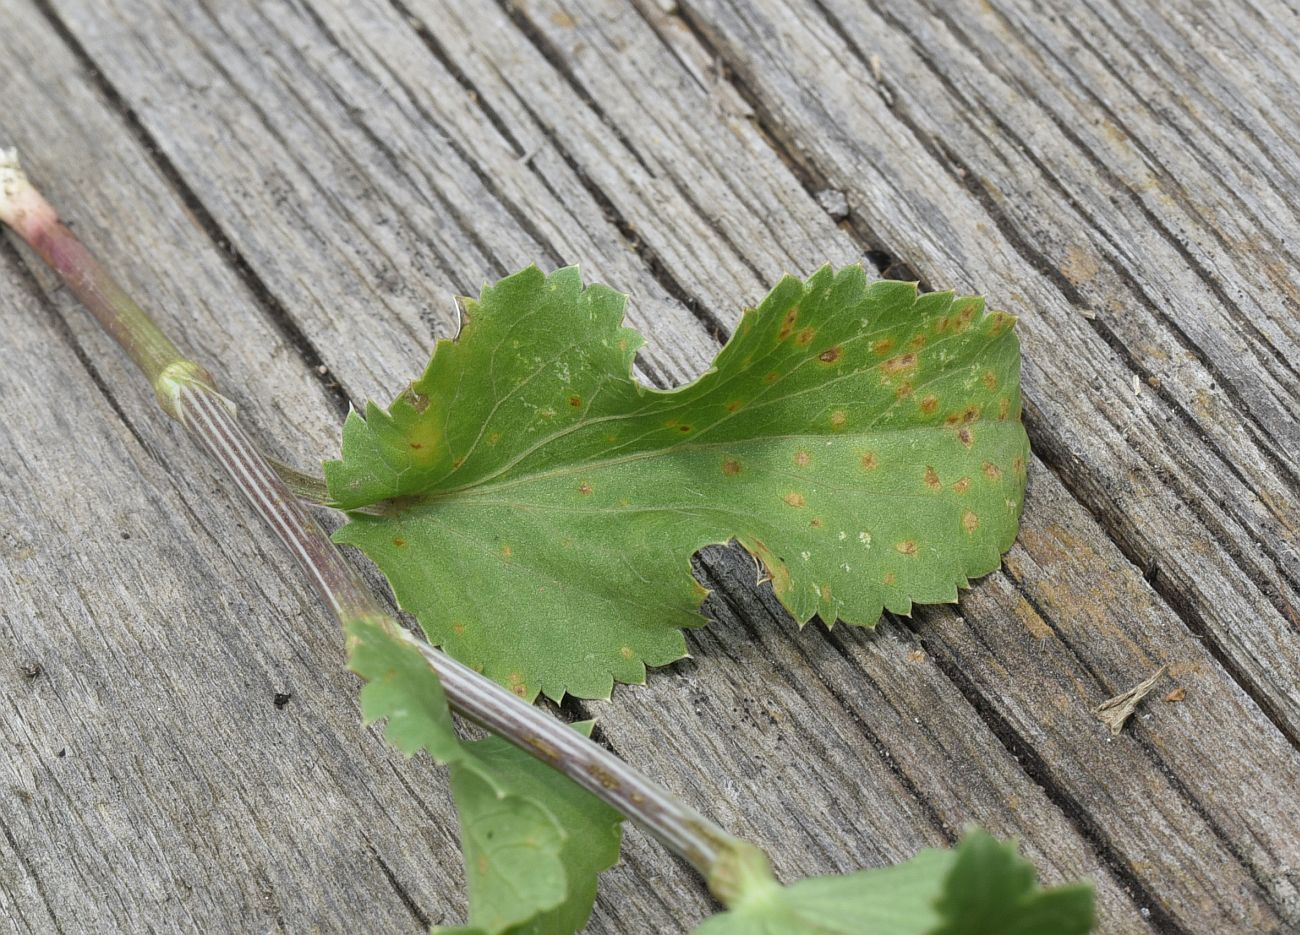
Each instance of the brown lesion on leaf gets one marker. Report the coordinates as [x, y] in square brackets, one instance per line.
[804, 337]
[902, 363]
[830, 355]
[493, 438]
[515, 682]
[883, 346]
[802, 458]
[458, 629]
[771, 377]
[929, 403]
[839, 418]
[990, 380]
[684, 429]
[730, 467]
[961, 486]
[890, 578]
[1004, 406]
[869, 461]
[992, 471]
[904, 391]
[626, 652]
[584, 488]
[965, 315]
[970, 414]
[415, 399]
[965, 436]
[506, 551]
[795, 499]
[787, 324]
[932, 479]
[734, 405]
[917, 342]
[575, 402]
[1018, 465]
[907, 547]
[399, 542]
[969, 521]
[999, 322]
[816, 522]
[774, 569]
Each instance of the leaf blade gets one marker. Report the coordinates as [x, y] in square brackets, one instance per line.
[862, 441]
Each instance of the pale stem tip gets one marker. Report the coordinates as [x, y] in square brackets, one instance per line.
[17, 197]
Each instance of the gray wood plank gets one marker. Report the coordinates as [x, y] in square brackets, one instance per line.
[901, 828]
[690, 209]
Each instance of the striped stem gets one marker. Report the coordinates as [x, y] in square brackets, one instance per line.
[189, 394]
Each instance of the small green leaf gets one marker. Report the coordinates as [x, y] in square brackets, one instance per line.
[991, 889]
[534, 841]
[536, 508]
[982, 888]
[588, 843]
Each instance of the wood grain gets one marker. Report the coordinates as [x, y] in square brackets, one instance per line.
[316, 179]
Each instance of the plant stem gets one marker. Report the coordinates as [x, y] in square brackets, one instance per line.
[189, 394]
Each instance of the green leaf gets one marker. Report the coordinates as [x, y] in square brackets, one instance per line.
[991, 889]
[982, 888]
[534, 841]
[498, 866]
[536, 508]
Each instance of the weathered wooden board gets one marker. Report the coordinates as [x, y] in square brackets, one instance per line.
[363, 161]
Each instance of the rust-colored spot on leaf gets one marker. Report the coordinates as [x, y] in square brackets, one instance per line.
[730, 467]
[964, 316]
[802, 458]
[804, 337]
[917, 342]
[965, 436]
[970, 414]
[904, 390]
[458, 629]
[787, 324]
[684, 428]
[932, 479]
[416, 446]
[399, 542]
[962, 485]
[494, 438]
[830, 355]
[869, 461]
[507, 551]
[992, 471]
[575, 402]
[626, 652]
[929, 404]
[990, 380]
[1004, 405]
[838, 419]
[771, 377]
[794, 499]
[584, 488]
[734, 405]
[900, 364]
[816, 522]
[890, 577]
[515, 682]
[969, 521]
[906, 547]
[883, 346]
[1018, 465]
